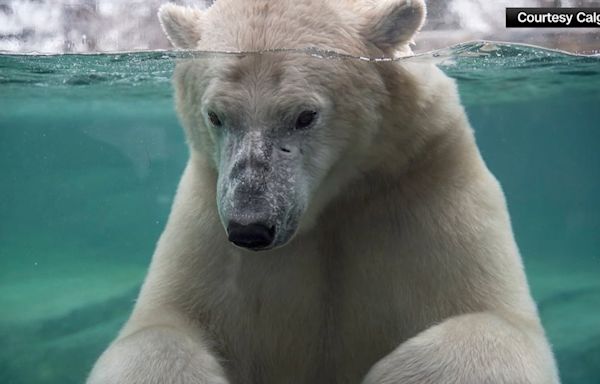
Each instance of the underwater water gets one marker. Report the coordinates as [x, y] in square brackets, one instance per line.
[91, 152]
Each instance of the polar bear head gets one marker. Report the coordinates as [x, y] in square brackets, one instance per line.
[284, 131]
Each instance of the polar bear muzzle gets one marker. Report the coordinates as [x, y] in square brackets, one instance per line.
[252, 236]
[260, 187]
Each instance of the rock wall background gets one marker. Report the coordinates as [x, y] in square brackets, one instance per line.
[58, 26]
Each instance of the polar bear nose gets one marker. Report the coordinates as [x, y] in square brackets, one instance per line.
[253, 236]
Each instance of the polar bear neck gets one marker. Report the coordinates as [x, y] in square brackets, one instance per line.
[419, 138]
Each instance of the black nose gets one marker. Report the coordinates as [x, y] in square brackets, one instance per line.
[252, 236]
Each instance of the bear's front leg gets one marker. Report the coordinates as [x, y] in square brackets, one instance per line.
[477, 348]
[157, 355]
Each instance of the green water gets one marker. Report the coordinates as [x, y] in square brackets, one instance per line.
[91, 152]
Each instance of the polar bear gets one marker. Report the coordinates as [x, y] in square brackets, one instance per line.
[335, 222]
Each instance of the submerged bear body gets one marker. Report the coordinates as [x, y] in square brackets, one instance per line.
[335, 222]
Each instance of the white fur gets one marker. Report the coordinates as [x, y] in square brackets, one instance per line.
[182, 25]
[404, 269]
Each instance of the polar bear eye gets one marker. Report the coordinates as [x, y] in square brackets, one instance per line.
[305, 119]
[214, 119]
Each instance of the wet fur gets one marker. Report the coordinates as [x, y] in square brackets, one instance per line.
[404, 268]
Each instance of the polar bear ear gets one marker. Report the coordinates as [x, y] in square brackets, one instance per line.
[180, 24]
[391, 23]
